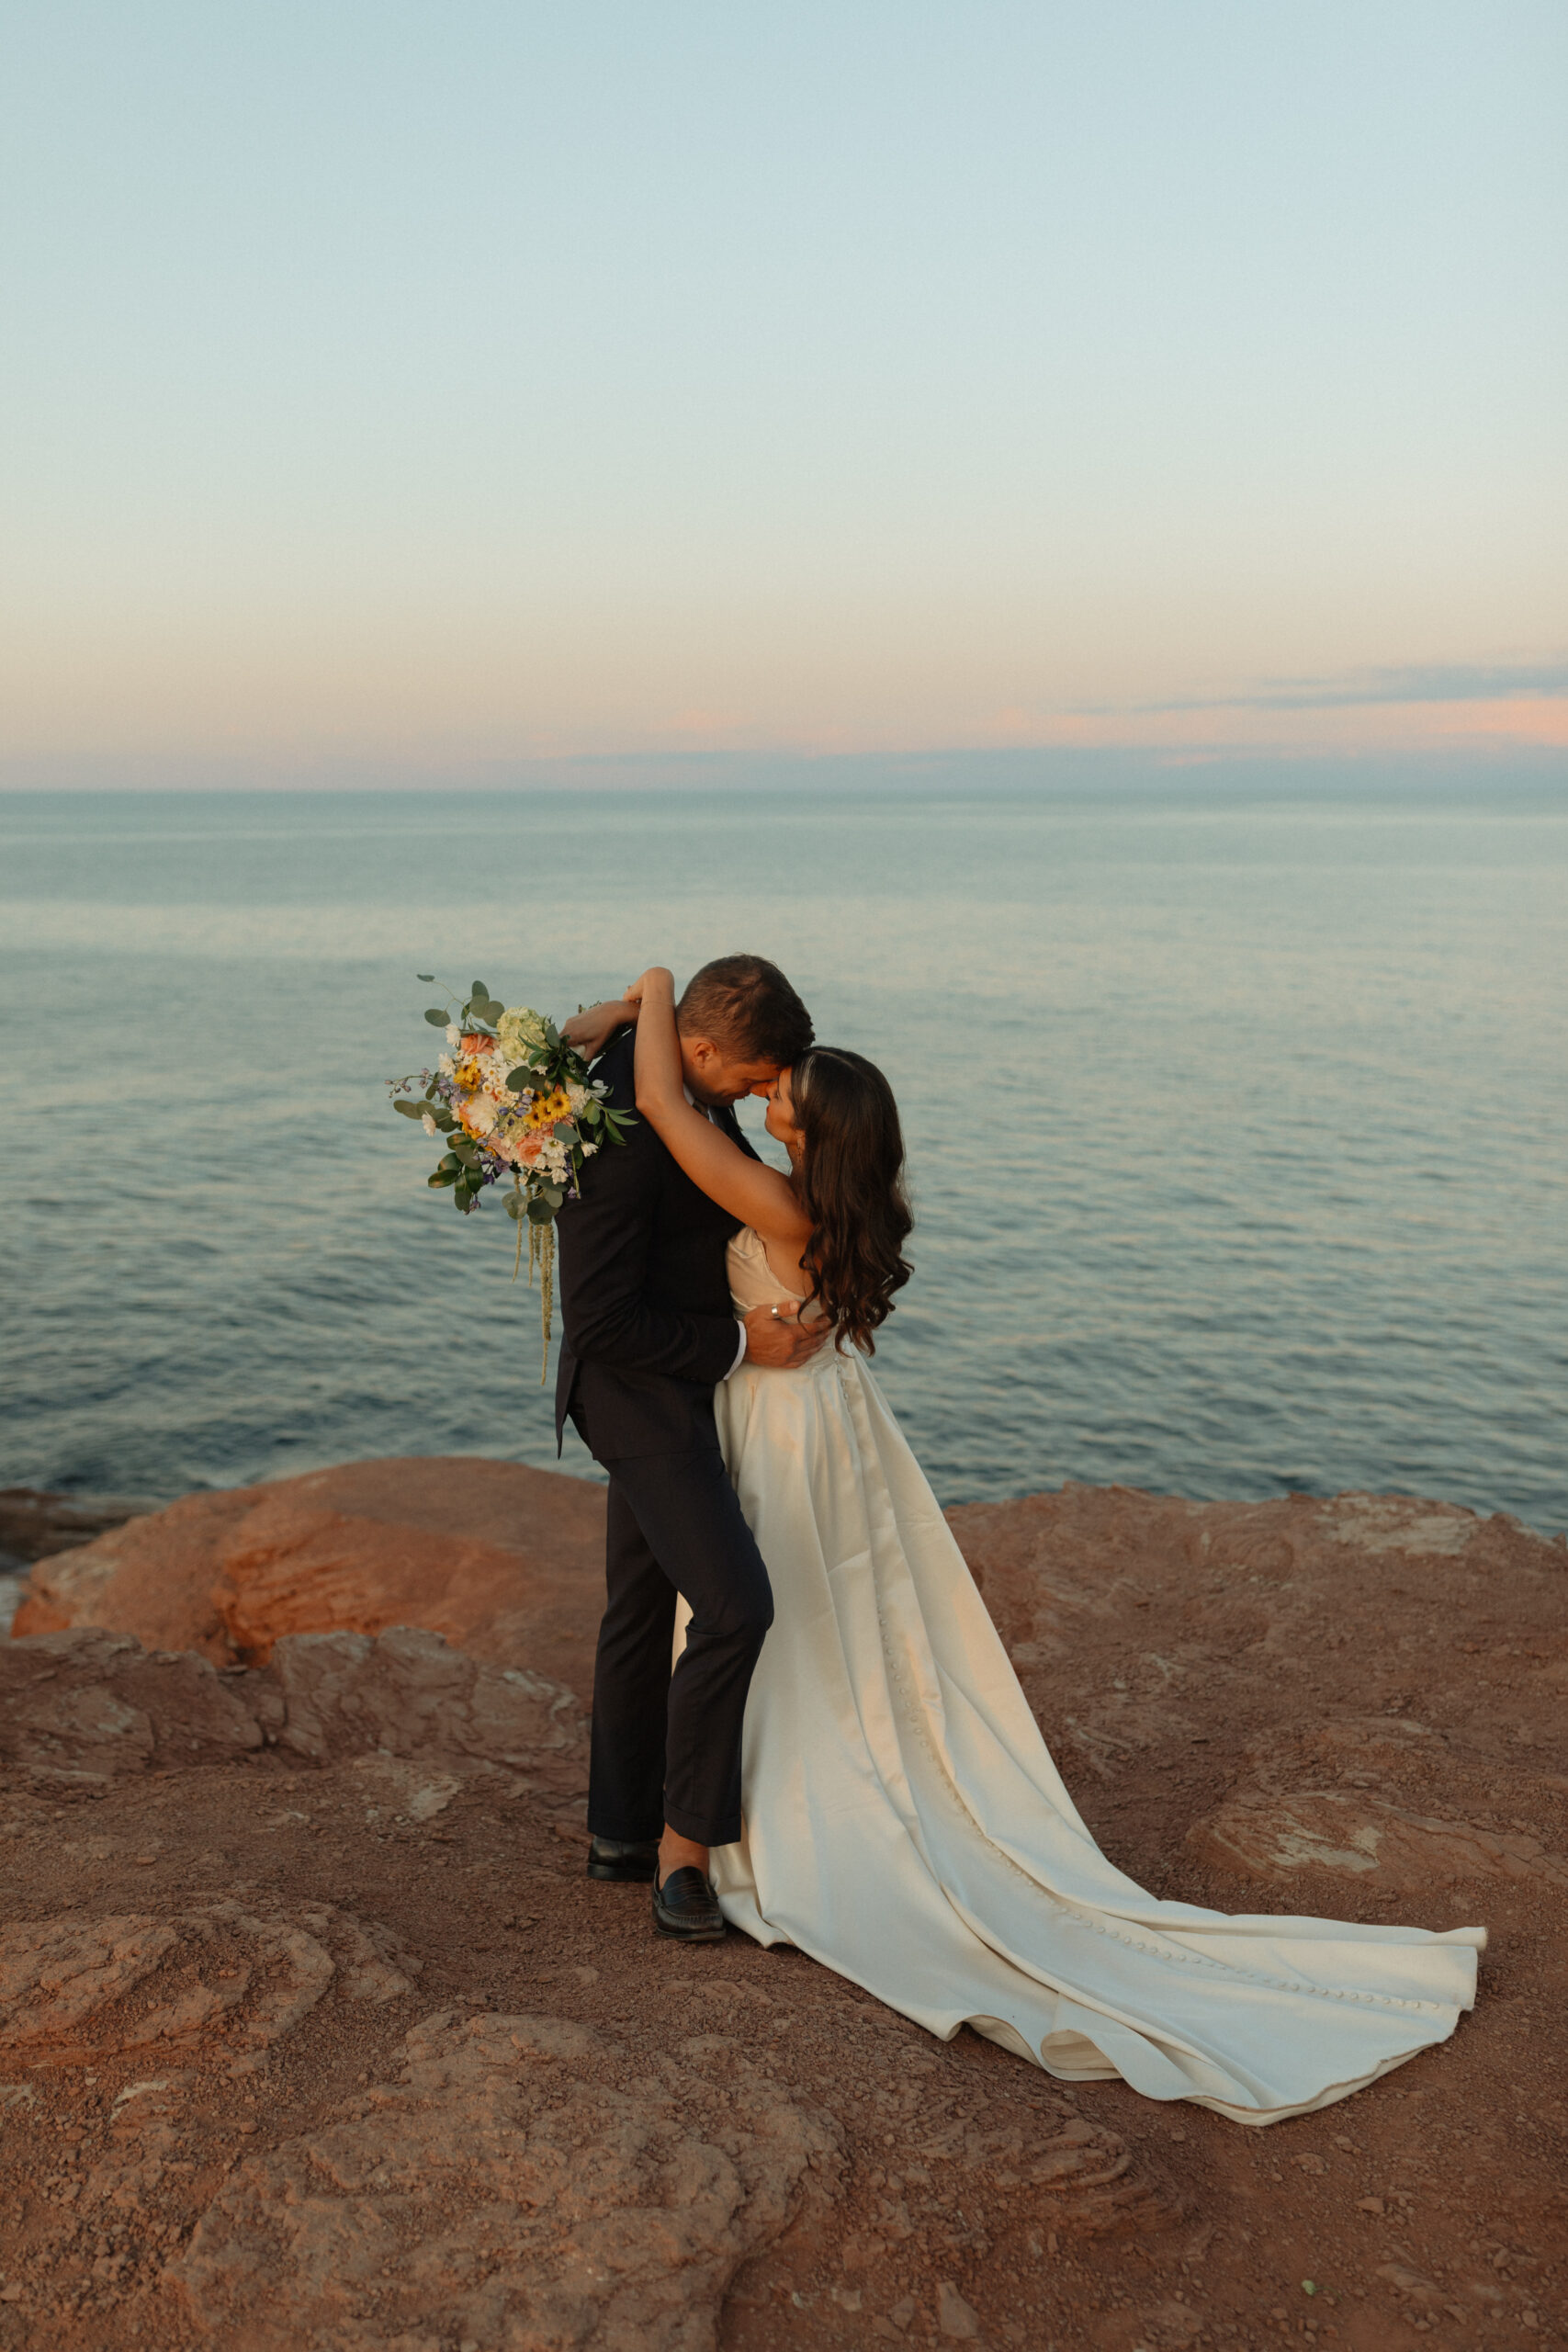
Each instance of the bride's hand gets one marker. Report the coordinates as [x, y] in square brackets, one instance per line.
[638, 988]
[589, 1031]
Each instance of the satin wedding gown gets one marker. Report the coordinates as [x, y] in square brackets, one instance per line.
[906, 1825]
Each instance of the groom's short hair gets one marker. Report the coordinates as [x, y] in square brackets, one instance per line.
[748, 1009]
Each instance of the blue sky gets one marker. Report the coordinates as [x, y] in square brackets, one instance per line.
[422, 385]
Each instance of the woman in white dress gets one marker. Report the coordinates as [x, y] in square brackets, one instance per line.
[905, 1823]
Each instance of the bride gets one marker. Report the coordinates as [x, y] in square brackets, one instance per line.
[903, 1822]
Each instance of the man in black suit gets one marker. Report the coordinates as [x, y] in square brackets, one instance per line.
[648, 1333]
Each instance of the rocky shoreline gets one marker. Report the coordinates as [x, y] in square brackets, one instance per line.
[34, 1526]
[313, 2033]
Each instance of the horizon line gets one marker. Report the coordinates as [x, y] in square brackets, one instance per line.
[1047, 766]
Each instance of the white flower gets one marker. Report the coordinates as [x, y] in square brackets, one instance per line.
[479, 1114]
[519, 1029]
[446, 1064]
[428, 1123]
[454, 1036]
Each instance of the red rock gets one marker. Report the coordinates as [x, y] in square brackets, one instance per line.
[583, 2198]
[34, 1524]
[410, 1693]
[216, 1980]
[1263, 1836]
[152, 1578]
[1356, 1707]
[87, 1707]
[500, 1559]
[1408, 1653]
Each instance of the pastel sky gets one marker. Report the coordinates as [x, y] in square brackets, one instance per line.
[431, 384]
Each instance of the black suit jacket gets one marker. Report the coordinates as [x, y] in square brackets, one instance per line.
[647, 1327]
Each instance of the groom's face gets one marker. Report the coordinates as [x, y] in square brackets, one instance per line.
[718, 1077]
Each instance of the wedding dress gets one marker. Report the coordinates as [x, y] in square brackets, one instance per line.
[906, 1825]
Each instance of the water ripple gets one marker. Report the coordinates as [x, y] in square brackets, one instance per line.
[1237, 1132]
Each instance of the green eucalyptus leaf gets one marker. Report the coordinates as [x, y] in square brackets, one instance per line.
[515, 1204]
[478, 993]
[521, 1081]
[441, 1177]
[540, 1211]
[437, 1016]
[410, 1110]
[425, 976]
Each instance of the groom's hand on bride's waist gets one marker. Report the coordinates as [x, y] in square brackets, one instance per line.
[776, 1335]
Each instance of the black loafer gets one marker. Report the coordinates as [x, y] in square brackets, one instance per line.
[687, 1907]
[631, 1863]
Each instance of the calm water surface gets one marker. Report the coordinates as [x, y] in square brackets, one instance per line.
[1238, 1127]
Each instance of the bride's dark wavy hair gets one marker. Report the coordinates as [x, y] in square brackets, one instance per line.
[852, 1182]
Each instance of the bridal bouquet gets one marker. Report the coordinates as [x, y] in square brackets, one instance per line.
[509, 1098]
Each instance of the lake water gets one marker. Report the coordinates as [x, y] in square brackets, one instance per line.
[1237, 1125]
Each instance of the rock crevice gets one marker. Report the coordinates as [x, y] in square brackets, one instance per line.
[84, 1707]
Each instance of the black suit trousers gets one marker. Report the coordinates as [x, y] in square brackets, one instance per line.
[666, 1748]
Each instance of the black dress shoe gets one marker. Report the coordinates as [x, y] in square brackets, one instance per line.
[687, 1907]
[631, 1863]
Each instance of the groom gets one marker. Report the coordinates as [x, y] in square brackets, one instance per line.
[648, 1333]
